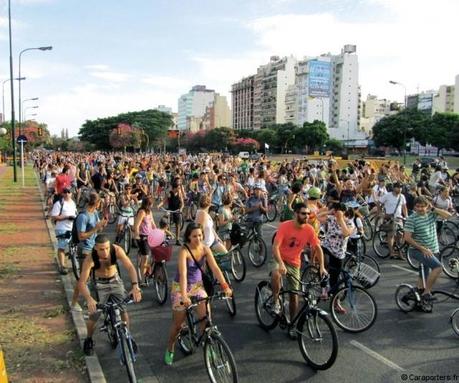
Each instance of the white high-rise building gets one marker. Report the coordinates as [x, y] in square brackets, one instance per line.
[345, 100]
[194, 104]
[443, 101]
[456, 95]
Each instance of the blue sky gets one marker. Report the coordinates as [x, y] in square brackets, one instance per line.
[115, 56]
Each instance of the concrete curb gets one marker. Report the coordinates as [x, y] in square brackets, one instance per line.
[95, 372]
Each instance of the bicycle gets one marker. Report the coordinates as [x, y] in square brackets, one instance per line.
[124, 239]
[218, 358]
[409, 298]
[381, 246]
[317, 338]
[72, 254]
[119, 335]
[257, 249]
[157, 272]
[360, 309]
[233, 262]
[85, 191]
[363, 268]
[169, 215]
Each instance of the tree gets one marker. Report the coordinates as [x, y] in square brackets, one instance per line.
[220, 138]
[125, 136]
[312, 134]
[334, 145]
[267, 136]
[442, 130]
[247, 144]
[285, 134]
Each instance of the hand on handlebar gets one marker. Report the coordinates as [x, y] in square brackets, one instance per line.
[92, 305]
[282, 269]
[186, 301]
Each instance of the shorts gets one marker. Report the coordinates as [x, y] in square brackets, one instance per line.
[429, 263]
[122, 220]
[176, 218]
[142, 243]
[194, 290]
[293, 274]
[225, 234]
[113, 289]
[62, 243]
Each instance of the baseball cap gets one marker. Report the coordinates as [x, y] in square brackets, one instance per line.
[314, 193]
[352, 204]
[66, 190]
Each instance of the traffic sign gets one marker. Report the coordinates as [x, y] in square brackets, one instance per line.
[21, 139]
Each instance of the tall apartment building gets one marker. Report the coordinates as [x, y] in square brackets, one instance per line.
[373, 110]
[456, 95]
[194, 104]
[242, 103]
[309, 98]
[270, 88]
[443, 101]
[217, 115]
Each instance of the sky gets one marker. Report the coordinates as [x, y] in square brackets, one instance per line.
[115, 56]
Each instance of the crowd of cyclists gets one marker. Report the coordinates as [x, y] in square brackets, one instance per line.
[326, 214]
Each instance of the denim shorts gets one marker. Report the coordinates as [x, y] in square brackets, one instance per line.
[429, 263]
[62, 242]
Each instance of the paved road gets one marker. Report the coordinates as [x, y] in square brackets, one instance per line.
[415, 344]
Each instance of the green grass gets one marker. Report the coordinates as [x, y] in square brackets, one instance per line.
[8, 228]
[8, 270]
[6, 181]
[55, 312]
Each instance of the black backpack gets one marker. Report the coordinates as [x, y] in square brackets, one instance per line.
[237, 235]
[75, 239]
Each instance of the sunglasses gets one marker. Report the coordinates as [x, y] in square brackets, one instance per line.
[66, 192]
[304, 213]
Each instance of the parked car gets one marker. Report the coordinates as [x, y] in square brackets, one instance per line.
[244, 155]
[428, 161]
[255, 156]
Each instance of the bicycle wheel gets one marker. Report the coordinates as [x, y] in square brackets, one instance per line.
[193, 211]
[257, 251]
[380, 245]
[405, 298]
[454, 318]
[311, 275]
[111, 332]
[271, 212]
[185, 341]
[75, 260]
[160, 278]
[111, 213]
[367, 229]
[414, 263]
[357, 265]
[219, 360]
[263, 303]
[446, 237]
[126, 239]
[317, 339]
[231, 301]
[446, 255]
[127, 357]
[359, 306]
[238, 266]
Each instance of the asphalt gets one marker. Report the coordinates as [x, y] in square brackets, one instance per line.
[399, 347]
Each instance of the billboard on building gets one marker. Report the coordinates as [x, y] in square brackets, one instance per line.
[425, 102]
[319, 78]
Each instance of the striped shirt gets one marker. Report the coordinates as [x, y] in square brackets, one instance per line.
[424, 230]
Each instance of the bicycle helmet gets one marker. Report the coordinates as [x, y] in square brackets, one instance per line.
[314, 193]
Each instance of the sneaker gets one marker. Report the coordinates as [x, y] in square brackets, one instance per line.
[63, 270]
[428, 298]
[292, 334]
[88, 346]
[76, 307]
[277, 308]
[169, 358]
[425, 307]
[339, 309]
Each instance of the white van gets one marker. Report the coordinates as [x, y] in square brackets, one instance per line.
[244, 155]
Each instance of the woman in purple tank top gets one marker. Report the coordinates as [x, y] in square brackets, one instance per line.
[188, 282]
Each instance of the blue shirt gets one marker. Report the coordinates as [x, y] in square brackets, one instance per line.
[256, 215]
[85, 222]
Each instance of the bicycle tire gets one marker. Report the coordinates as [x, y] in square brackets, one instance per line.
[193, 211]
[414, 263]
[160, 280]
[257, 254]
[319, 327]
[238, 266]
[127, 240]
[446, 254]
[271, 211]
[380, 246]
[127, 359]
[446, 237]
[263, 299]
[111, 213]
[311, 274]
[353, 306]
[111, 332]
[185, 341]
[405, 297]
[219, 360]
[75, 260]
[231, 301]
[368, 231]
[454, 319]
[352, 264]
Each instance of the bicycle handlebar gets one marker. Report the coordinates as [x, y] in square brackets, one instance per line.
[195, 301]
[105, 306]
[170, 211]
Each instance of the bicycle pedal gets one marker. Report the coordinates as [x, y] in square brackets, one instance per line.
[103, 329]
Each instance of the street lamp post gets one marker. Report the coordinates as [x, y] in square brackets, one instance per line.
[26, 100]
[404, 130]
[48, 48]
[27, 108]
[3, 96]
[13, 131]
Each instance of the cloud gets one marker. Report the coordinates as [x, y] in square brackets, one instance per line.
[166, 82]
[97, 67]
[111, 76]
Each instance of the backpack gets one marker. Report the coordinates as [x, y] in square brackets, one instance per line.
[75, 239]
[237, 235]
[61, 201]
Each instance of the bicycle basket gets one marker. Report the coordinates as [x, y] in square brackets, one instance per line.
[365, 274]
[161, 253]
[238, 235]
[223, 261]
[364, 210]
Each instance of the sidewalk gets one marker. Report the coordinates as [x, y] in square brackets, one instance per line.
[36, 332]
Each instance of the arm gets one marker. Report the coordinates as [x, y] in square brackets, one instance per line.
[182, 270]
[81, 228]
[82, 285]
[318, 254]
[442, 213]
[277, 255]
[127, 264]
[200, 217]
[342, 224]
[409, 239]
[138, 220]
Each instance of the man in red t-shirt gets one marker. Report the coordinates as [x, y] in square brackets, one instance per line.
[291, 238]
[63, 181]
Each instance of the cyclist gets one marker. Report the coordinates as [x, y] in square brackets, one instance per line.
[255, 207]
[188, 282]
[143, 224]
[63, 213]
[225, 220]
[126, 203]
[421, 235]
[103, 264]
[291, 238]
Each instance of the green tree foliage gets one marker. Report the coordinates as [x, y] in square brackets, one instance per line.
[443, 130]
[220, 139]
[285, 134]
[154, 122]
[312, 134]
[336, 146]
[266, 136]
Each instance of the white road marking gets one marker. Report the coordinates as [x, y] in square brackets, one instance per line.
[377, 356]
[269, 225]
[405, 269]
